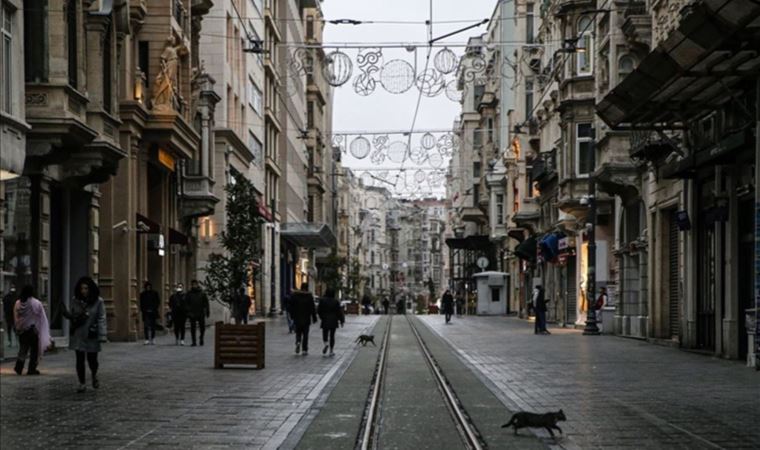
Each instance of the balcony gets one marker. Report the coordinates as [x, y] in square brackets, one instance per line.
[61, 134]
[527, 215]
[637, 25]
[198, 197]
[651, 145]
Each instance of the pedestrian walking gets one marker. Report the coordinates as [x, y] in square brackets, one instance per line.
[366, 301]
[242, 306]
[149, 305]
[447, 305]
[330, 315]
[459, 303]
[178, 311]
[539, 302]
[600, 302]
[9, 302]
[32, 328]
[286, 303]
[87, 314]
[386, 305]
[304, 314]
[198, 310]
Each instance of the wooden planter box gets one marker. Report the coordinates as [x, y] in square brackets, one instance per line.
[352, 308]
[432, 309]
[239, 344]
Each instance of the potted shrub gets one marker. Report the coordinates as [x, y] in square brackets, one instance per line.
[229, 272]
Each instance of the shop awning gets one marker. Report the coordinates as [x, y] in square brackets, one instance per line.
[480, 242]
[175, 237]
[150, 227]
[308, 235]
[695, 70]
[527, 249]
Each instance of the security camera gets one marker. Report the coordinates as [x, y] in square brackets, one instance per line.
[141, 226]
[123, 225]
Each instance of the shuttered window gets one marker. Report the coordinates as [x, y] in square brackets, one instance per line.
[673, 309]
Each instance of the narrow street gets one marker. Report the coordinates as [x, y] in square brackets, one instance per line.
[616, 393]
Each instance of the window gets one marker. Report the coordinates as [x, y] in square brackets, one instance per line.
[254, 145]
[6, 31]
[584, 149]
[35, 41]
[310, 114]
[625, 66]
[528, 99]
[107, 70]
[477, 137]
[476, 169]
[71, 36]
[585, 46]
[310, 212]
[254, 96]
[499, 209]
[143, 56]
[310, 27]
[529, 23]
[490, 130]
[475, 195]
[229, 38]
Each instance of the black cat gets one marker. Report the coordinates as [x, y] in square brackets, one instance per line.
[532, 420]
[364, 338]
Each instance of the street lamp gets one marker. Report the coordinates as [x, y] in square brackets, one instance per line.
[591, 328]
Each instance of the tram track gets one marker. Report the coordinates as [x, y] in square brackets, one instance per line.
[369, 435]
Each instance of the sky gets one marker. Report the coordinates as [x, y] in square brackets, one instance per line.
[381, 111]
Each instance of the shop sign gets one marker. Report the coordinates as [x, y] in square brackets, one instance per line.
[166, 159]
[264, 212]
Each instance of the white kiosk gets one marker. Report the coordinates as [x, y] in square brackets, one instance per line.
[492, 293]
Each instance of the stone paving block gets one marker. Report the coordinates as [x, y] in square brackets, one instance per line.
[616, 393]
[165, 394]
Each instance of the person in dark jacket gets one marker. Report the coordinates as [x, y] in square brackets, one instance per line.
[447, 305]
[539, 302]
[386, 305]
[366, 301]
[149, 304]
[330, 314]
[198, 310]
[179, 314]
[9, 301]
[242, 306]
[304, 313]
[88, 328]
[459, 301]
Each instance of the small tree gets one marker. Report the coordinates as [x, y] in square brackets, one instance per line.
[355, 279]
[226, 273]
[330, 272]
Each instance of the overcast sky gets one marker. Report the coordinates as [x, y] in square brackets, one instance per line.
[382, 110]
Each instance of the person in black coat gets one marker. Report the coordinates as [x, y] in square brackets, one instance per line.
[539, 300]
[447, 305]
[330, 314]
[9, 301]
[304, 313]
[198, 310]
[366, 301]
[149, 304]
[386, 305]
[179, 314]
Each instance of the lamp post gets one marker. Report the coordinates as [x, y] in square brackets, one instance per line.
[591, 328]
[273, 281]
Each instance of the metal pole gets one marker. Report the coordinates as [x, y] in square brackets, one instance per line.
[757, 226]
[591, 329]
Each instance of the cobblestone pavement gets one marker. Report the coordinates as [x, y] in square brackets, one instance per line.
[171, 397]
[616, 393]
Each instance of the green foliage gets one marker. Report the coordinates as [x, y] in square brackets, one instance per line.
[226, 273]
[355, 279]
[330, 272]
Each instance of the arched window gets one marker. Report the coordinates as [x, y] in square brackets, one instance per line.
[626, 64]
[585, 46]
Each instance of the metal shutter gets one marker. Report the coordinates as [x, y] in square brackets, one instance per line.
[673, 282]
[572, 291]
